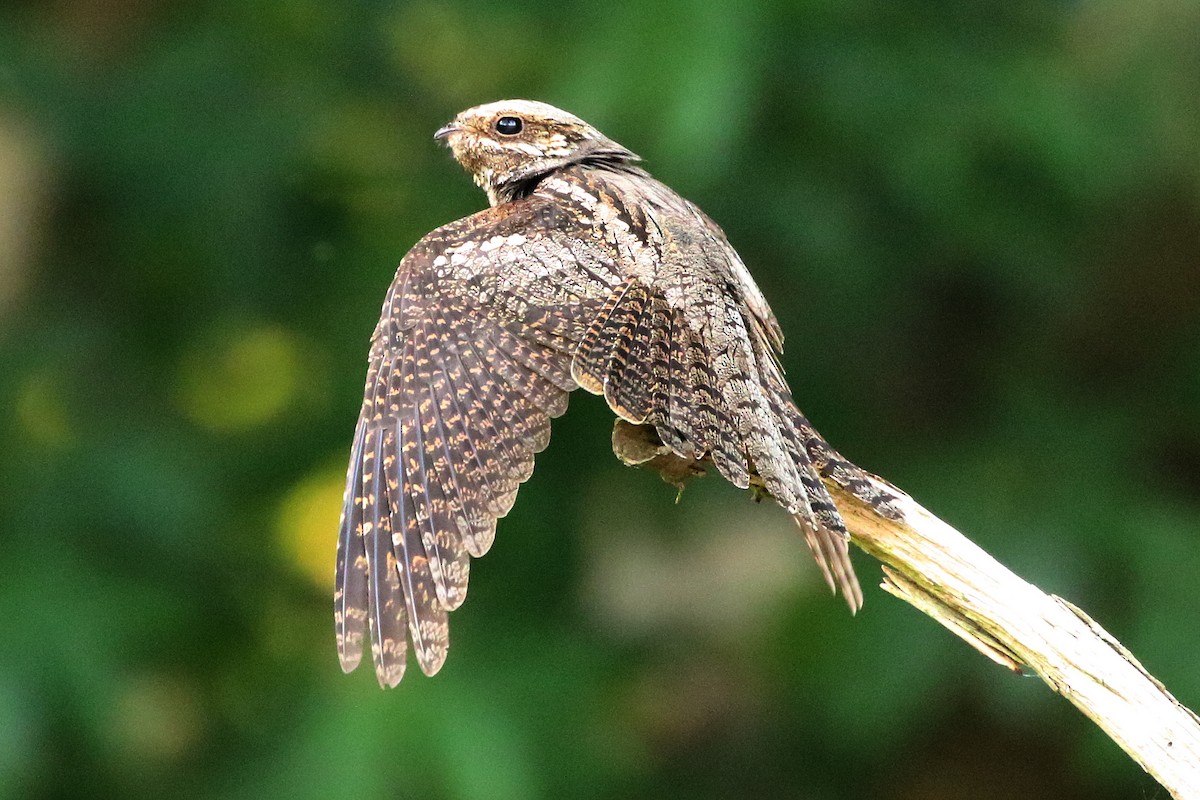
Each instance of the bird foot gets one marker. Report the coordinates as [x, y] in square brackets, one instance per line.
[639, 445]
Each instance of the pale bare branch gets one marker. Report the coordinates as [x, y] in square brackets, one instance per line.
[930, 565]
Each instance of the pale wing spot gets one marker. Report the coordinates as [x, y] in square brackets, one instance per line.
[607, 215]
[572, 191]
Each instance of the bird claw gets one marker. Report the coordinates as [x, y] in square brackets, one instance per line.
[639, 445]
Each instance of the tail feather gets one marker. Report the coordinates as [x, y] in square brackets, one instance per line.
[824, 530]
[831, 551]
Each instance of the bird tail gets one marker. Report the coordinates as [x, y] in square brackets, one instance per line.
[820, 521]
[830, 547]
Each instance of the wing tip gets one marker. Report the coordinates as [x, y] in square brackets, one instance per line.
[349, 660]
[586, 380]
[389, 677]
[390, 658]
[431, 660]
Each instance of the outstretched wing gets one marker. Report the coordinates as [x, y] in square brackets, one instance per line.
[606, 280]
[469, 363]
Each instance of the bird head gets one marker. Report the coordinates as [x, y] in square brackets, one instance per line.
[509, 145]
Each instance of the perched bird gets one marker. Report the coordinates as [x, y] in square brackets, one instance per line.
[584, 272]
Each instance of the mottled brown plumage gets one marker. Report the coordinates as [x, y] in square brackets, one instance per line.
[585, 271]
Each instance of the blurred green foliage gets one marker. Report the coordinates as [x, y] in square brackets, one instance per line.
[979, 224]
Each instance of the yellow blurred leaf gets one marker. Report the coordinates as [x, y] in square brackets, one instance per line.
[242, 380]
[308, 521]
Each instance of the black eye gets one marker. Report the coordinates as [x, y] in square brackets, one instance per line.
[509, 126]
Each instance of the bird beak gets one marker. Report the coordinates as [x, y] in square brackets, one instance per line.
[443, 133]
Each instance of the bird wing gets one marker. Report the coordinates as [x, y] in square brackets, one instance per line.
[687, 344]
[469, 363]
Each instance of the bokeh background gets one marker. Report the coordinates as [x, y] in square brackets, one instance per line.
[979, 224]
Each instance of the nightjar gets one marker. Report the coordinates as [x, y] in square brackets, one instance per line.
[584, 272]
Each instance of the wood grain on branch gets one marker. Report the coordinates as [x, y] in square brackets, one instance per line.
[930, 565]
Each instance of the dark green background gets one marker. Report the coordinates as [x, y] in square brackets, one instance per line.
[978, 223]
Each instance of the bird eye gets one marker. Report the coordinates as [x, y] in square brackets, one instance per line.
[509, 126]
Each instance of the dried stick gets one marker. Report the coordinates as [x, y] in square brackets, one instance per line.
[935, 568]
